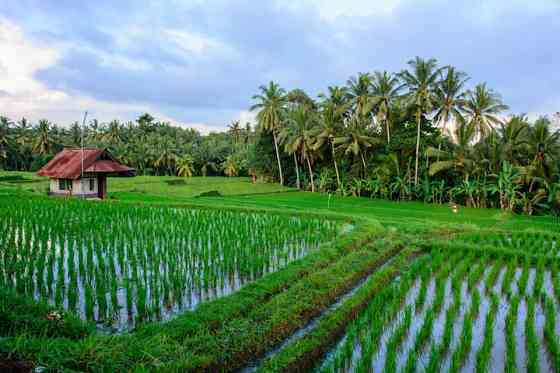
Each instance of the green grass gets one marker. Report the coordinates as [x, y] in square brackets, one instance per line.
[242, 193]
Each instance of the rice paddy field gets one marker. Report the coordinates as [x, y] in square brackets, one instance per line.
[252, 280]
[119, 265]
[458, 312]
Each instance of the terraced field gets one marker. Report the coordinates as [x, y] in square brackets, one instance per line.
[256, 283]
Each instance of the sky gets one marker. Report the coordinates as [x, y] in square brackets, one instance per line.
[198, 63]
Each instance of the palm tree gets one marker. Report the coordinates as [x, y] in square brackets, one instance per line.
[297, 97]
[185, 166]
[94, 129]
[5, 124]
[450, 98]
[544, 149]
[513, 135]
[247, 133]
[337, 95]
[359, 93]
[385, 91]
[234, 130]
[299, 137]
[75, 134]
[271, 105]
[355, 140]
[421, 81]
[460, 158]
[22, 133]
[44, 143]
[166, 156]
[330, 124]
[482, 107]
[113, 133]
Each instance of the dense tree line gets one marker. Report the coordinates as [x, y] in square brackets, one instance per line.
[420, 134]
[152, 147]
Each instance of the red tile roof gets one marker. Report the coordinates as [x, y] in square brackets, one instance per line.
[68, 164]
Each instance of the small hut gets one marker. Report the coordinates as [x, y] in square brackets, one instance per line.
[82, 172]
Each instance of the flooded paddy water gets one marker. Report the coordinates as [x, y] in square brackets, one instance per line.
[457, 313]
[120, 265]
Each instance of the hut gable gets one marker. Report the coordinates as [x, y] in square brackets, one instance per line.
[68, 164]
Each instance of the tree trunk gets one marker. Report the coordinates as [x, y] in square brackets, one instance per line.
[297, 171]
[335, 166]
[364, 163]
[278, 158]
[388, 131]
[439, 145]
[417, 149]
[310, 174]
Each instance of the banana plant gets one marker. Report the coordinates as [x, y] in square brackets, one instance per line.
[506, 186]
[373, 186]
[400, 187]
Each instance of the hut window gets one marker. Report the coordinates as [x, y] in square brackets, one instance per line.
[64, 184]
[91, 184]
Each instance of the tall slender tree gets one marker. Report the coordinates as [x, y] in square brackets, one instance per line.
[271, 103]
[450, 98]
[235, 130]
[299, 136]
[385, 91]
[421, 80]
[330, 124]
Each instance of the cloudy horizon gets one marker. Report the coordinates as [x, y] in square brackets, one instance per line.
[198, 63]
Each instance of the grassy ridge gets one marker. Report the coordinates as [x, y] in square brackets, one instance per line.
[302, 355]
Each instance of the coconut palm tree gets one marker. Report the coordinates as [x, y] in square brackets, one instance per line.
[330, 124]
[355, 140]
[44, 143]
[421, 80]
[450, 98]
[359, 93]
[297, 97]
[185, 166]
[385, 88]
[5, 139]
[482, 107]
[234, 130]
[271, 103]
[299, 137]
[513, 136]
[113, 133]
[544, 149]
[166, 156]
[337, 95]
[22, 132]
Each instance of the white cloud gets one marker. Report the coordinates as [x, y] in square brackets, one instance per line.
[24, 96]
[19, 59]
